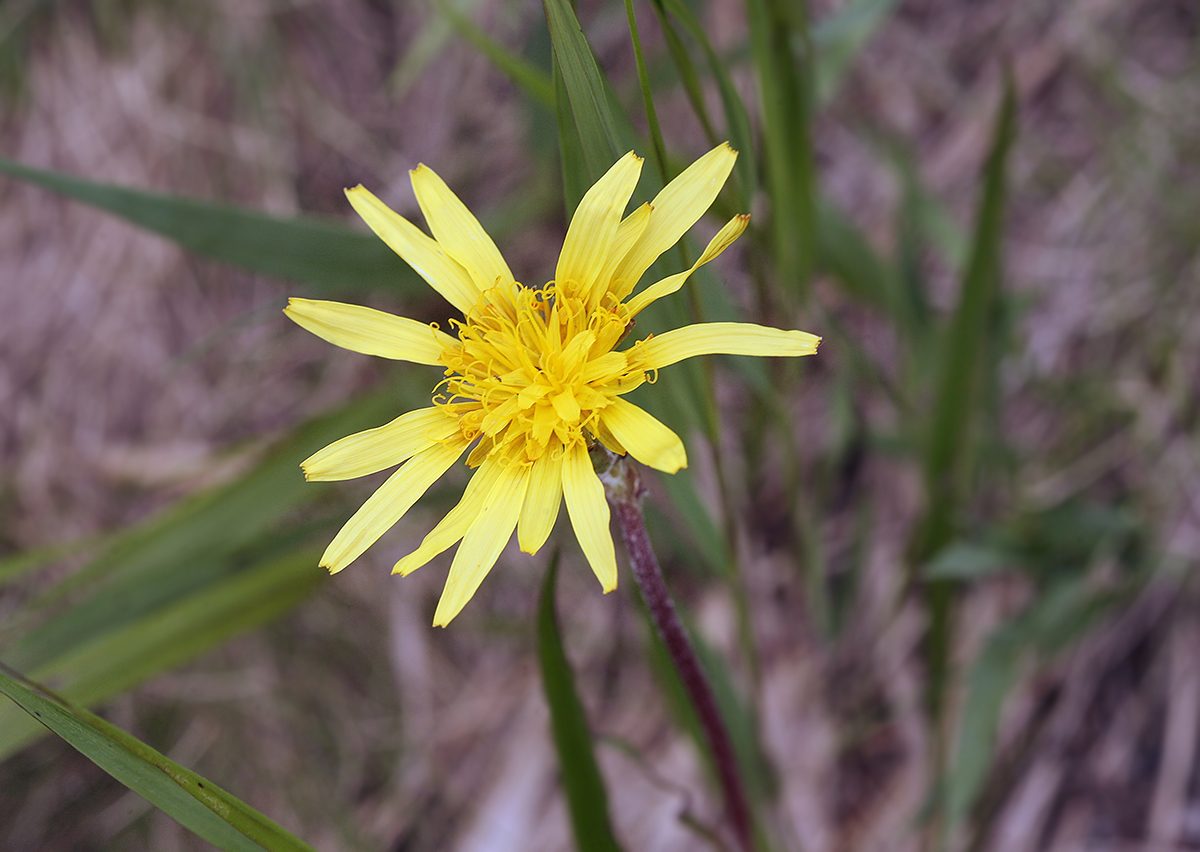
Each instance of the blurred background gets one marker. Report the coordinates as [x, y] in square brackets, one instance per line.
[1020, 559]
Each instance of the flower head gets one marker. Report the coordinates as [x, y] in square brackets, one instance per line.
[533, 375]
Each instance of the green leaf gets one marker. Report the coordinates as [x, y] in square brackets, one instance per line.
[24, 562]
[586, 118]
[909, 298]
[779, 37]
[840, 38]
[739, 720]
[737, 119]
[574, 165]
[969, 363]
[319, 253]
[991, 678]
[527, 76]
[847, 255]
[194, 543]
[963, 561]
[1059, 617]
[216, 564]
[199, 805]
[169, 635]
[963, 364]
[688, 77]
[657, 145]
[587, 798]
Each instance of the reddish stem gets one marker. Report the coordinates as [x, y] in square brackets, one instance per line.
[624, 490]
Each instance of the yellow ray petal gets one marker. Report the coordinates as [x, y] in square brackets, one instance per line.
[605, 436]
[594, 226]
[644, 436]
[424, 255]
[628, 233]
[723, 240]
[389, 503]
[380, 448]
[483, 542]
[458, 231]
[725, 338]
[542, 500]
[589, 514]
[369, 331]
[456, 522]
[680, 204]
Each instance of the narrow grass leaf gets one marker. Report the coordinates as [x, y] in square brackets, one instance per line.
[910, 305]
[191, 545]
[743, 730]
[965, 561]
[199, 805]
[737, 119]
[688, 76]
[323, 254]
[1061, 616]
[841, 37]
[780, 43]
[27, 561]
[587, 94]
[657, 145]
[847, 255]
[530, 79]
[169, 635]
[571, 155]
[583, 785]
[988, 683]
[957, 400]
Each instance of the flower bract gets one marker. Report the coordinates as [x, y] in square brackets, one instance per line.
[532, 375]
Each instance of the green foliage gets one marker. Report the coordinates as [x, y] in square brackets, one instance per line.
[328, 256]
[587, 798]
[840, 38]
[198, 804]
[737, 129]
[969, 349]
[529, 78]
[589, 136]
[783, 55]
[222, 562]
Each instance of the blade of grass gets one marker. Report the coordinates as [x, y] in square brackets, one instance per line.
[24, 562]
[199, 805]
[587, 797]
[656, 138]
[782, 52]
[956, 406]
[574, 165]
[688, 75]
[594, 126]
[525, 75]
[169, 635]
[191, 545]
[323, 254]
[956, 400]
[1063, 614]
[841, 37]
[737, 119]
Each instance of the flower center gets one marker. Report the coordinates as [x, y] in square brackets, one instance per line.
[532, 369]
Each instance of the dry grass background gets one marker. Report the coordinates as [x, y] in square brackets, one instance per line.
[130, 374]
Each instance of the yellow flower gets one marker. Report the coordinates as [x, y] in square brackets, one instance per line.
[532, 376]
